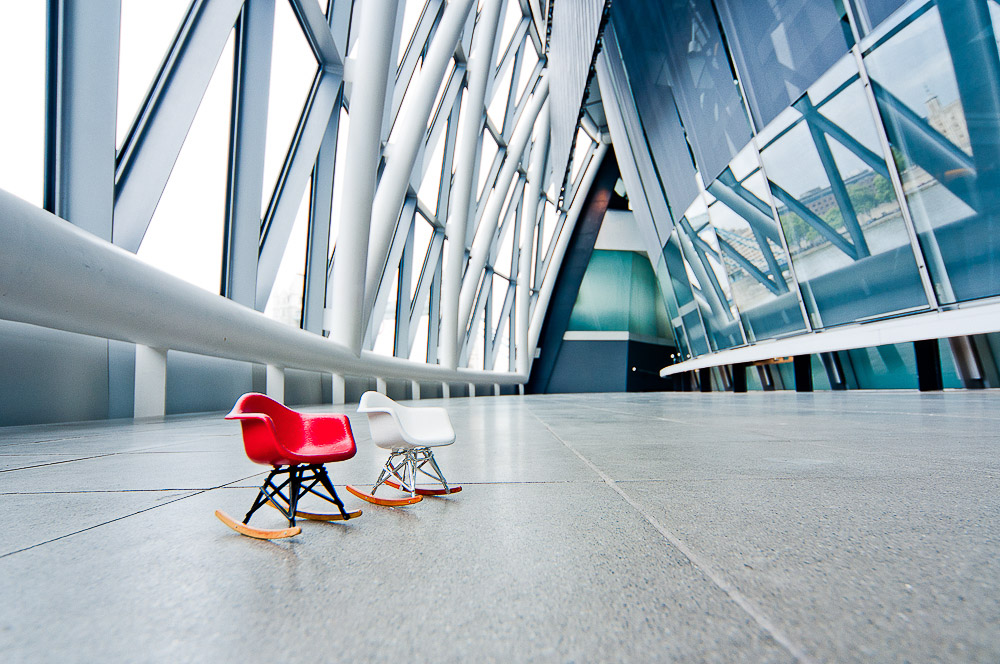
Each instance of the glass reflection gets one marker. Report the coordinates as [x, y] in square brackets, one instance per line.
[685, 314]
[842, 222]
[707, 276]
[935, 81]
[750, 244]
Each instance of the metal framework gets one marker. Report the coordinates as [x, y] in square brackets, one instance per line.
[415, 254]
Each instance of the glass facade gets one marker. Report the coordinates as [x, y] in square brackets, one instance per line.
[866, 186]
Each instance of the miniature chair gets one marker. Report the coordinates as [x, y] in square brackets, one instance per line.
[409, 434]
[297, 446]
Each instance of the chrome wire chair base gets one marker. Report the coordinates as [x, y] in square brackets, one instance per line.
[401, 468]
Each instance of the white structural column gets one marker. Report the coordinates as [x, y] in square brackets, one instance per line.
[529, 217]
[491, 215]
[150, 382]
[368, 70]
[470, 126]
[405, 141]
[274, 382]
[559, 251]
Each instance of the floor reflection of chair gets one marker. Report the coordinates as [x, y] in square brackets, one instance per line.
[409, 434]
[296, 445]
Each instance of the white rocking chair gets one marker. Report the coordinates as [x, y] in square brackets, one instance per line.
[409, 434]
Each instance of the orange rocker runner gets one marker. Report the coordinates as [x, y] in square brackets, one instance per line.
[297, 446]
[408, 434]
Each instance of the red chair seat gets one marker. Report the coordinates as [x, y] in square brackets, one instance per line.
[278, 436]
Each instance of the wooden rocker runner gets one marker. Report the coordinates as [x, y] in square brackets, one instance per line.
[408, 434]
[296, 446]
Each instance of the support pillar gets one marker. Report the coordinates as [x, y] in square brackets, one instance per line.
[445, 391]
[339, 389]
[470, 126]
[928, 365]
[415, 390]
[274, 383]
[380, 385]
[803, 373]
[368, 73]
[739, 378]
[150, 382]
[705, 379]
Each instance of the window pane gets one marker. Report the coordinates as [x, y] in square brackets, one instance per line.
[781, 48]
[751, 247]
[184, 237]
[22, 115]
[935, 83]
[709, 103]
[840, 216]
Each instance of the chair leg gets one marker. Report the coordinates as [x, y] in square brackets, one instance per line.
[293, 493]
[263, 496]
[328, 485]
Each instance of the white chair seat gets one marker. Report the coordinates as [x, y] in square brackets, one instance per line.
[396, 427]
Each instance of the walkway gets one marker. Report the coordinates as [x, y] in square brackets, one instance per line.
[644, 527]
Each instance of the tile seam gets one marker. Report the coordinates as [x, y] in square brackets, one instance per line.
[716, 578]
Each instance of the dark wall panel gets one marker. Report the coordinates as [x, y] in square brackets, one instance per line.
[199, 384]
[51, 376]
[590, 366]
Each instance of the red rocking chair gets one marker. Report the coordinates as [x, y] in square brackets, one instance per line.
[297, 446]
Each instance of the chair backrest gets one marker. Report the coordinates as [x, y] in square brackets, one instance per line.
[259, 439]
[393, 423]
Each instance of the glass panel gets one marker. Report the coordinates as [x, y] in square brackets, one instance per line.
[285, 301]
[422, 233]
[781, 48]
[707, 277]
[889, 367]
[411, 14]
[431, 182]
[293, 68]
[184, 237]
[750, 243]
[673, 315]
[641, 31]
[499, 293]
[528, 61]
[147, 30]
[872, 12]
[339, 170]
[497, 105]
[487, 154]
[580, 147]
[385, 338]
[841, 219]
[511, 19]
[503, 362]
[22, 115]
[505, 251]
[709, 104]
[935, 84]
[688, 311]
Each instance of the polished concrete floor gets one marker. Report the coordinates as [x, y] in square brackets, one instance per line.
[772, 527]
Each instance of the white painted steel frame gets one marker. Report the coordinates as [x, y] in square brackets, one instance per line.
[157, 311]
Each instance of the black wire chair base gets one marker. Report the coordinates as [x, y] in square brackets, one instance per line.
[284, 492]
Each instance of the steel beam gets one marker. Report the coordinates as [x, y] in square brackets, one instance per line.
[81, 92]
[248, 127]
[318, 239]
[317, 31]
[491, 215]
[405, 142]
[363, 143]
